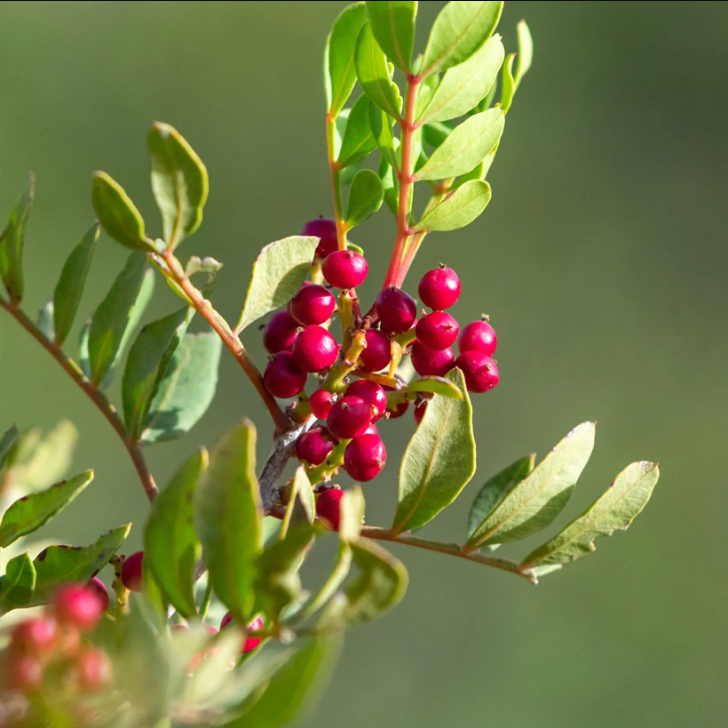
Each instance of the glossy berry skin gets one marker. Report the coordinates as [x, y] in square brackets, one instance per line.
[349, 417]
[437, 330]
[97, 586]
[315, 349]
[313, 304]
[252, 642]
[313, 447]
[479, 370]
[24, 673]
[280, 332]
[326, 230]
[429, 363]
[93, 669]
[478, 336]
[36, 636]
[283, 377]
[321, 403]
[345, 269]
[439, 288]
[365, 457]
[378, 352]
[396, 309]
[371, 430]
[131, 571]
[419, 412]
[370, 392]
[78, 606]
[328, 507]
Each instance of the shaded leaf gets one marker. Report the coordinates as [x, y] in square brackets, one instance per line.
[436, 385]
[6, 442]
[358, 139]
[16, 587]
[12, 241]
[381, 125]
[393, 25]
[458, 209]
[352, 514]
[365, 197]
[336, 578]
[45, 321]
[373, 74]
[301, 506]
[435, 133]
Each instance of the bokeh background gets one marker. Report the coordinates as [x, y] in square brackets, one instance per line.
[602, 261]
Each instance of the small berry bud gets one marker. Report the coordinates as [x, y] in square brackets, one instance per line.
[24, 673]
[396, 309]
[479, 370]
[252, 642]
[313, 304]
[349, 417]
[419, 411]
[478, 336]
[283, 377]
[313, 448]
[345, 269]
[280, 332]
[378, 353]
[328, 507]
[131, 571]
[78, 606]
[315, 349]
[439, 288]
[326, 230]
[372, 393]
[429, 363]
[365, 457]
[437, 330]
[321, 402]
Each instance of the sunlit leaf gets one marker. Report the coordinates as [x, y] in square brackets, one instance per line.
[373, 74]
[393, 25]
[358, 140]
[365, 197]
[458, 209]
[436, 385]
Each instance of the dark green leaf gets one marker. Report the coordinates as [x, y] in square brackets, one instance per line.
[458, 209]
[12, 241]
[16, 587]
[374, 76]
[435, 133]
[525, 52]
[436, 385]
[393, 25]
[301, 506]
[389, 183]
[6, 442]
[45, 321]
[334, 581]
[508, 84]
[358, 140]
[381, 125]
[365, 197]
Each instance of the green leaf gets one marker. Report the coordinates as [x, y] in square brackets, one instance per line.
[83, 361]
[278, 272]
[6, 442]
[466, 146]
[542, 495]
[171, 547]
[186, 389]
[334, 581]
[374, 76]
[508, 84]
[459, 30]
[227, 518]
[12, 241]
[58, 564]
[32, 511]
[525, 52]
[358, 139]
[179, 182]
[381, 125]
[118, 215]
[393, 25]
[45, 321]
[436, 385]
[435, 133]
[365, 197]
[389, 183]
[16, 587]
[339, 69]
[352, 514]
[117, 315]
[463, 87]
[458, 209]
[69, 288]
[494, 491]
[615, 510]
[439, 460]
[301, 506]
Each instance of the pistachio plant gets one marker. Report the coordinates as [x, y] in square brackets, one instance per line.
[211, 623]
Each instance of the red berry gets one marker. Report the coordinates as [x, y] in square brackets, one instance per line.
[93, 669]
[364, 457]
[36, 635]
[478, 336]
[97, 586]
[280, 332]
[283, 378]
[24, 673]
[252, 642]
[313, 304]
[378, 352]
[345, 269]
[370, 392]
[315, 349]
[439, 288]
[371, 430]
[419, 412]
[349, 417]
[324, 229]
[429, 363]
[396, 411]
[131, 571]
[226, 620]
[479, 370]
[313, 447]
[328, 507]
[396, 309]
[437, 330]
[78, 606]
[321, 402]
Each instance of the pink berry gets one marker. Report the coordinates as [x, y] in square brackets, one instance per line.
[132, 571]
[93, 669]
[24, 673]
[36, 635]
[429, 363]
[313, 448]
[479, 370]
[321, 402]
[372, 393]
[371, 430]
[349, 417]
[439, 288]
[396, 309]
[478, 336]
[226, 620]
[419, 412]
[345, 269]
[396, 411]
[78, 606]
[437, 330]
[365, 457]
[378, 352]
[328, 507]
[283, 377]
[324, 229]
[252, 642]
[313, 304]
[280, 332]
[97, 586]
[315, 349]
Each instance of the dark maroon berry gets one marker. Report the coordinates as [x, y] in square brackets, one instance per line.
[321, 402]
[313, 447]
[396, 411]
[328, 507]
[280, 332]
[132, 571]
[283, 378]
[226, 620]
[478, 336]
[78, 606]
[315, 349]
[313, 304]
[420, 409]
[93, 669]
[365, 457]
[479, 370]
[349, 417]
[370, 392]
[345, 269]
[24, 673]
[324, 229]
[97, 586]
[252, 642]
[396, 309]
[378, 352]
[439, 288]
[437, 330]
[429, 363]
[36, 635]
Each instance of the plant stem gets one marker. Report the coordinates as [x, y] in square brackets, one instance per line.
[335, 174]
[94, 394]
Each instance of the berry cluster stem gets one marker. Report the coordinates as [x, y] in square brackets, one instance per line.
[335, 174]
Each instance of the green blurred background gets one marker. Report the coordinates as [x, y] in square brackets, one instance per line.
[602, 261]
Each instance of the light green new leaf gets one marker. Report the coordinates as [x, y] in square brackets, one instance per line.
[465, 147]
[45, 321]
[373, 74]
[6, 442]
[16, 587]
[525, 52]
[32, 511]
[278, 272]
[439, 460]
[365, 197]
[69, 288]
[542, 495]
[358, 139]
[508, 84]
[615, 510]
[458, 209]
[393, 25]
[179, 182]
[459, 30]
[12, 241]
[436, 385]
